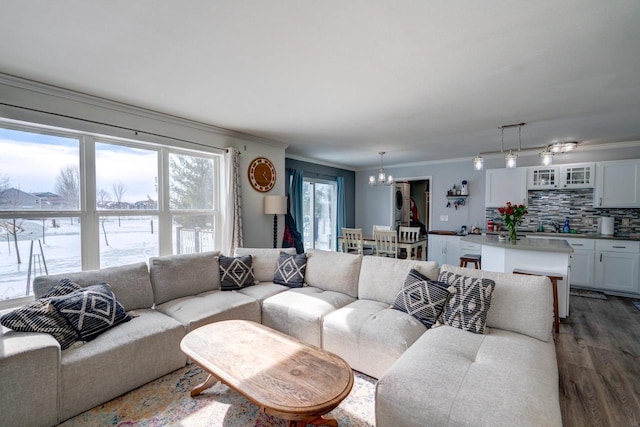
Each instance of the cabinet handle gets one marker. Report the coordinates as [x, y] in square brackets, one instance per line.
[578, 244]
[619, 247]
[600, 257]
[600, 201]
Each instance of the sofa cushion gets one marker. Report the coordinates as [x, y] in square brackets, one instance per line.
[213, 306]
[235, 272]
[333, 271]
[123, 358]
[369, 335]
[299, 311]
[467, 308]
[519, 303]
[263, 290]
[422, 298]
[290, 270]
[40, 316]
[381, 278]
[130, 283]
[498, 379]
[264, 261]
[177, 276]
[91, 310]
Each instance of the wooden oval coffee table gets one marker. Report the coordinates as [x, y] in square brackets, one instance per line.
[283, 376]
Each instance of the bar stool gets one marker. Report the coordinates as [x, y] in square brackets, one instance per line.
[468, 258]
[554, 277]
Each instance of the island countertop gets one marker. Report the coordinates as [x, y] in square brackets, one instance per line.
[523, 243]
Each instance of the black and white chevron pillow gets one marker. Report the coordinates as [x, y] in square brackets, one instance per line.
[422, 298]
[467, 309]
[91, 310]
[40, 316]
[236, 272]
[290, 270]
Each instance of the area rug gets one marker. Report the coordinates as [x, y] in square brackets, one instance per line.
[166, 402]
[587, 294]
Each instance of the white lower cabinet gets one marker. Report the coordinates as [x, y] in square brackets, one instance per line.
[582, 262]
[617, 266]
[444, 249]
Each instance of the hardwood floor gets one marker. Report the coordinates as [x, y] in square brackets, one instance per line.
[598, 352]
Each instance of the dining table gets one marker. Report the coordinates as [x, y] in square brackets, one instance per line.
[408, 245]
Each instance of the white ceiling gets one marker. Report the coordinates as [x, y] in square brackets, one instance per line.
[341, 80]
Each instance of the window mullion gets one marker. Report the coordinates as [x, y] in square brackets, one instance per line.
[89, 234]
[165, 221]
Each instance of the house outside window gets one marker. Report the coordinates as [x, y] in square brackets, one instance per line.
[72, 201]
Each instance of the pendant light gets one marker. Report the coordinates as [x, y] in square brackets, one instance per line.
[547, 157]
[382, 178]
[478, 163]
[511, 159]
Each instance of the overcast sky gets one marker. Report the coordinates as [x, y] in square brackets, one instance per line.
[33, 161]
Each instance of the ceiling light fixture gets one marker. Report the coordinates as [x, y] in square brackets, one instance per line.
[563, 147]
[478, 163]
[382, 178]
[511, 158]
[547, 157]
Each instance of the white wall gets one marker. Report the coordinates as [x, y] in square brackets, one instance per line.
[257, 227]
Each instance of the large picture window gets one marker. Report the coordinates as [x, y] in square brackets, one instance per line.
[319, 206]
[71, 201]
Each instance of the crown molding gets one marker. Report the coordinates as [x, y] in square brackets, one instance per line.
[83, 98]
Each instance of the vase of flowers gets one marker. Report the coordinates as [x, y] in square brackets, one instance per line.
[512, 217]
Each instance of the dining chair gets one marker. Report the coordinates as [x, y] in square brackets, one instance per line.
[386, 243]
[409, 234]
[381, 228]
[353, 243]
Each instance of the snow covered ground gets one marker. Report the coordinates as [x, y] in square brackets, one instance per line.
[131, 241]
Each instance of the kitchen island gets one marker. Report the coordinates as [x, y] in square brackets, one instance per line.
[543, 255]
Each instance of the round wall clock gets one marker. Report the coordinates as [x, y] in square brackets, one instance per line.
[262, 174]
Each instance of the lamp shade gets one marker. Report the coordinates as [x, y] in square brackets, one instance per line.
[275, 205]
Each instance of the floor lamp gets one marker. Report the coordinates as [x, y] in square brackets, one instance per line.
[275, 205]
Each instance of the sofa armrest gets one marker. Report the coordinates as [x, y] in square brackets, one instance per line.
[29, 368]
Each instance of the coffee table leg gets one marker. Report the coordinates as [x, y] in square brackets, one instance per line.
[209, 382]
[323, 420]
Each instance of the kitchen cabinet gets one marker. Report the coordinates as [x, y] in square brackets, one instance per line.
[582, 262]
[617, 265]
[444, 249]
[577, 175]
[543, 177]
[617, 184]
[505, 185]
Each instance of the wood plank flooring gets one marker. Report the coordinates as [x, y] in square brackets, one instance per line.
[598, 352]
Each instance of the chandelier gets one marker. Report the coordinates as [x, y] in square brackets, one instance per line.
[382, 178]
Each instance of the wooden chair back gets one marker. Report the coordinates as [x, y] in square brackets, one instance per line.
[409, 233]
[352, 238]
[386, 243]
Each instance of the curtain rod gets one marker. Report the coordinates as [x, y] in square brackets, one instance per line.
[135, 131]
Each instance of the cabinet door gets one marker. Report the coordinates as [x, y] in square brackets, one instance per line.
[582, 268]
[617, 271]
[453, 250]
[617, 184]
[505, 185]
[437, 248]
[543, 177]
[578, 175]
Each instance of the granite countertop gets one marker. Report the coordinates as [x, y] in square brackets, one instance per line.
[523, 243]
[629, 236]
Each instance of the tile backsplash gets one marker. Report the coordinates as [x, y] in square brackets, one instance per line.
[548, 206]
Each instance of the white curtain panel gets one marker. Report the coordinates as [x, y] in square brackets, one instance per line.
[231, 204]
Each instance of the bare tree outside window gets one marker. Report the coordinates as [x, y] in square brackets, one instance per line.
[119, 189]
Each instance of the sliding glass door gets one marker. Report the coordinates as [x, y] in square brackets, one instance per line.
[319, 210]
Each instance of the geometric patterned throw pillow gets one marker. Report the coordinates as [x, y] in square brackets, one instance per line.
[91, 310]
[236, 272]
[290, 271]
[422, 298]
[467, 309]
[40, 316]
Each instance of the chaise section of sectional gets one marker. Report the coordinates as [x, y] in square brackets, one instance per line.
[124, 357]
[368, 333]
[506, 377]
[332, 283]
[187, 288]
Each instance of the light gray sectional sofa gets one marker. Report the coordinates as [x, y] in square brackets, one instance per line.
[441, 376]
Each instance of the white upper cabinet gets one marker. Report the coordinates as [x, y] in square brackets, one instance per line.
[617, 184]
[505, 185]
[543, 177]
[578, 175]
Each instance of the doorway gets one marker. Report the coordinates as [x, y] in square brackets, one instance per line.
[415, 211]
